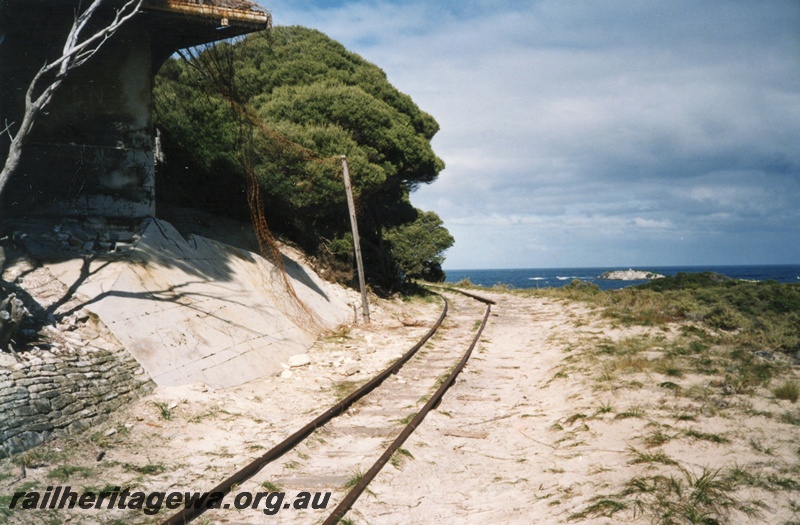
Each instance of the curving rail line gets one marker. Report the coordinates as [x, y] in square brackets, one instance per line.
[351, 497]
[188, 514]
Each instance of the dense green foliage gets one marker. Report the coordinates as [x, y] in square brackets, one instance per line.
[416, 246]
[755, 315]
[309, 101]
[687, 281]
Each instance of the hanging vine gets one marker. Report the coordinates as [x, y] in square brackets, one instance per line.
[216, 65]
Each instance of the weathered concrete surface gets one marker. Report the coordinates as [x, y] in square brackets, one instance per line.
[196, 310]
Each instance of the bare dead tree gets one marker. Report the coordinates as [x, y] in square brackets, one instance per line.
[76, 51]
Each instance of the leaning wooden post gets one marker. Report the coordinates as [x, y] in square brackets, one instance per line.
[356, 242]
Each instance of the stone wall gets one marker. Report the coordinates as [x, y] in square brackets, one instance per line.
[47, 394]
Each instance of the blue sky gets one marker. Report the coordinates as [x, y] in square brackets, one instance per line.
[582, 133]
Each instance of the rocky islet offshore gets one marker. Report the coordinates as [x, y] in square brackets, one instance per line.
[629, 275]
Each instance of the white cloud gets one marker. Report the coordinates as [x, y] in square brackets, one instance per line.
[653, 224]
[576, 132]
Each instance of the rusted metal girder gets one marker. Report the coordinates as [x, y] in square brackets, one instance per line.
[229, 12]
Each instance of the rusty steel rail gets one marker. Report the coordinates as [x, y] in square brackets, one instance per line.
[478, 298]
[190, 513]
[351, 497]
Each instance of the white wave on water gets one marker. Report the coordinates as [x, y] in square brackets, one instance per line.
[541, 277]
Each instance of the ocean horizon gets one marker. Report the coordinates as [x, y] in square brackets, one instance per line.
[557, 277]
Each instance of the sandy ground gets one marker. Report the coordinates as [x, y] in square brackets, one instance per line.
[533, 431]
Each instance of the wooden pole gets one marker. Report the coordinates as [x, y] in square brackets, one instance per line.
[356, 241]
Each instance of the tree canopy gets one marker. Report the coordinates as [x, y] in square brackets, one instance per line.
[301, 101]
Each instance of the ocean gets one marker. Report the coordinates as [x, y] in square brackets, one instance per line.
[556, 277]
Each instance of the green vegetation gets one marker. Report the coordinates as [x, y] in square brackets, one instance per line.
[656, 438]
[150, 469]
[399, 457]
[709, 355]
[731, 329]
[705, 436]
[43, 456]
[5, 501]
[712, 337]
[788, 390]
[164, 410]
[763, 315]
[344, 388]
[605, 408]
[633, 412]
[282, 107]
[792, 418]
[65, 472]
[639, 457]
[272, 487]
[417, 246]
[684, 498]
[406, 420]
[356, 475]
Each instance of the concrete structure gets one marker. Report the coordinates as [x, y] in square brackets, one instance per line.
[92, 153]
[192, 309]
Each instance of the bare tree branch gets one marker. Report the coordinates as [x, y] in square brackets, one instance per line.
[75, 53]
[7, 129]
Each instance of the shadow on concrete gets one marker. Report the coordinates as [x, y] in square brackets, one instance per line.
[190, 222]
[85, 273]
[50, 242]
[188, 308]
[182, 246]
[167, 295]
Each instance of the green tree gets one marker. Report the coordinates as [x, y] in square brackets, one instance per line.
[418, 247]
[308, 100]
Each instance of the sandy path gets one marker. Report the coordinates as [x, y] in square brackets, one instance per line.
[484, 456]
[530, 433]
[353, 441]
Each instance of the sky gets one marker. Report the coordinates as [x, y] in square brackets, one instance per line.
[585, 133]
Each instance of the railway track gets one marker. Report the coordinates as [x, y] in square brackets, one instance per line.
[331, 453]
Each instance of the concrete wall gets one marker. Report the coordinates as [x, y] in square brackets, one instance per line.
[196, 310]
[91, 153]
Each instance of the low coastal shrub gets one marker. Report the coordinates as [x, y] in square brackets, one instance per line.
[725, 318]
[788, 390]
[756, 316]
[791, 418]
[687, 281]
[708, 497]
